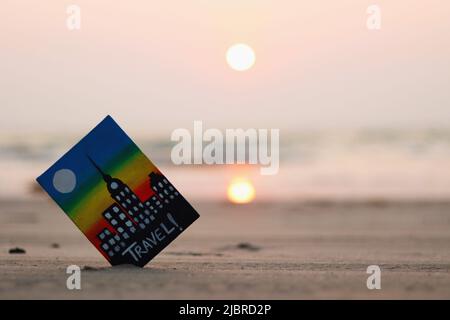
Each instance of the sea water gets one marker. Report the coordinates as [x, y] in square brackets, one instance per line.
[364, 164]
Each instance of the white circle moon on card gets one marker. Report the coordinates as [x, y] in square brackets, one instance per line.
[64, 180]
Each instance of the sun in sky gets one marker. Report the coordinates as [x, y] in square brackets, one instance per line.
[240, 57]
[241, 190]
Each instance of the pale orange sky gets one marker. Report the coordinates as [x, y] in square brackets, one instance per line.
[317, 65]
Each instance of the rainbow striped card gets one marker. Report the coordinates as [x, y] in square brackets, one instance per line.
[117, 197]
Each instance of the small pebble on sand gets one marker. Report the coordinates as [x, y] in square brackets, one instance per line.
[247, 246]
[17, 250]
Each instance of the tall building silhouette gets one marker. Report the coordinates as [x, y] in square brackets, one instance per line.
[124, 197]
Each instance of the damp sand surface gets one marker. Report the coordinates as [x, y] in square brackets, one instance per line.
[289, 250]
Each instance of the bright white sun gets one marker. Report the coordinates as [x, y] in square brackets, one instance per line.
[240, 57]
[241, 191]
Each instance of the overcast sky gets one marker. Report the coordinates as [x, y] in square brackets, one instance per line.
[158, 65]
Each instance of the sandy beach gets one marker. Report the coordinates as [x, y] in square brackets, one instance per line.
[288, 250]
